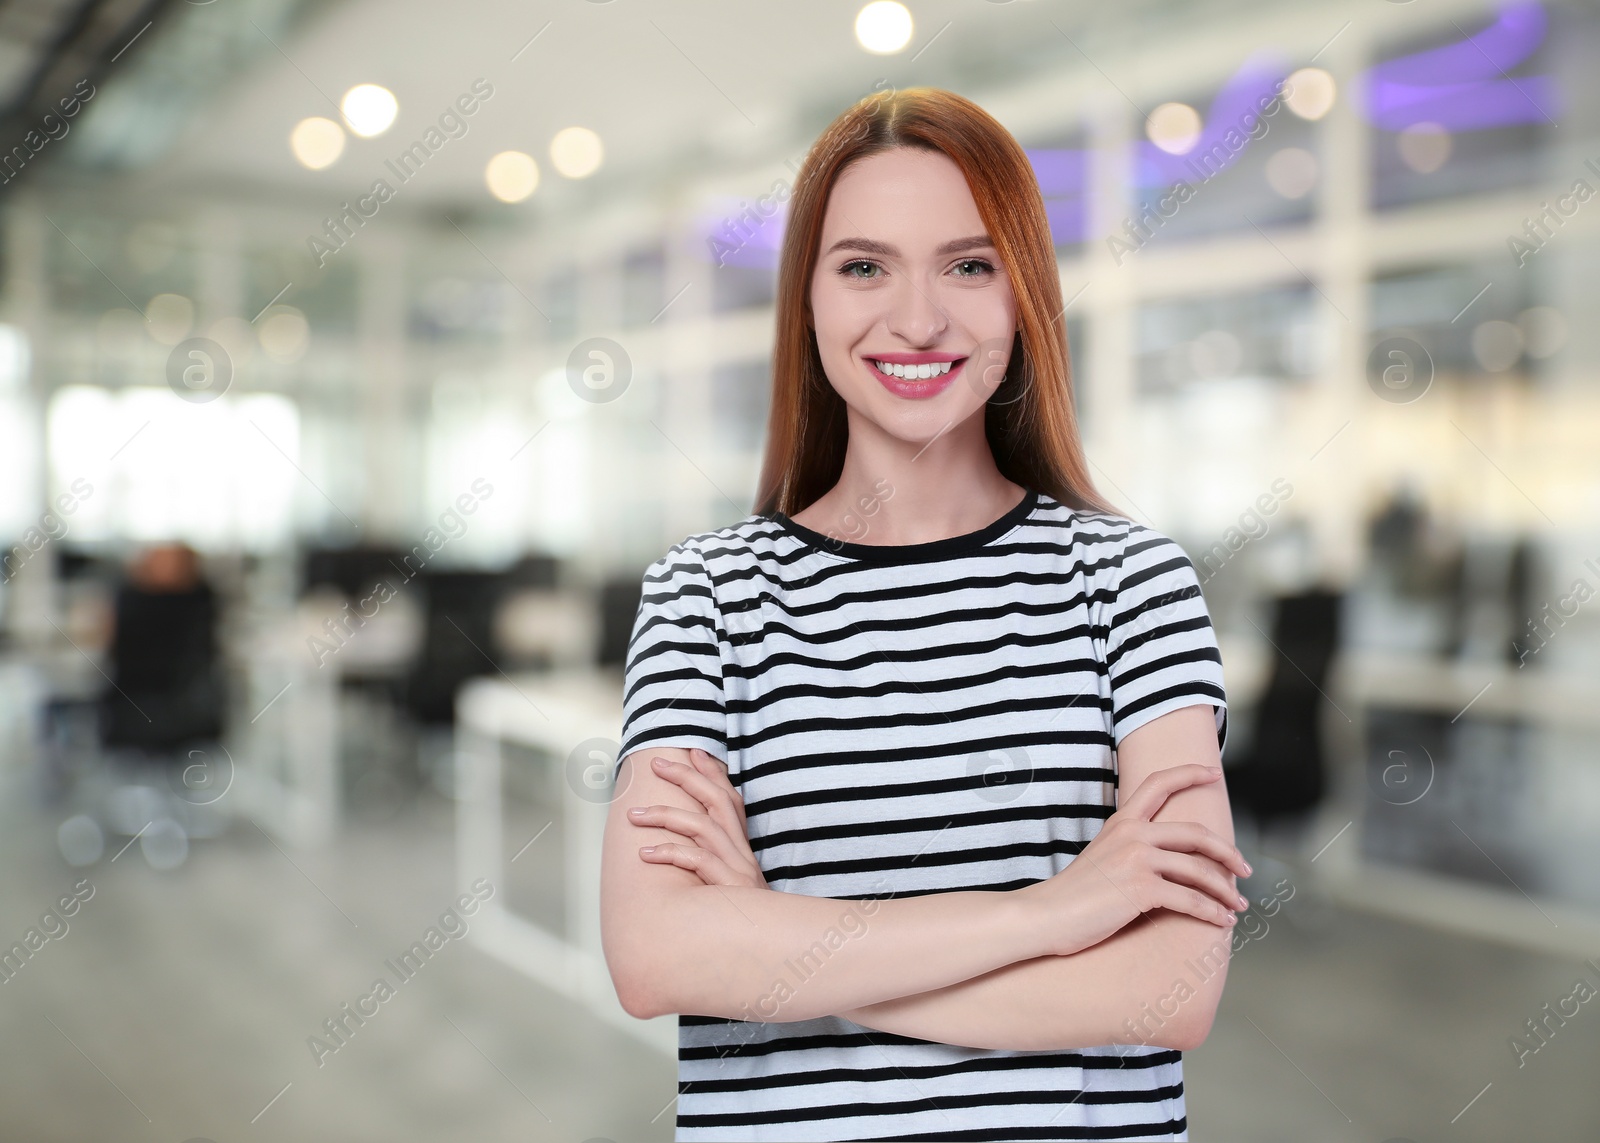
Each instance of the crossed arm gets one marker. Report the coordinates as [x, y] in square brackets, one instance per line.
[1157, 981]
[687, 932]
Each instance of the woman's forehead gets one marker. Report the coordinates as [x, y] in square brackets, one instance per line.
[912, 199]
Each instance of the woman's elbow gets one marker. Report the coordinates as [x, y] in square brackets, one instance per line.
[638, 1002]
[635, 964]
[1190, 1034]
[652, 965]
[1202, 953]
[635, 985]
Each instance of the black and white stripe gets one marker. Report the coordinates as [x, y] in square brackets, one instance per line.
[914, 719]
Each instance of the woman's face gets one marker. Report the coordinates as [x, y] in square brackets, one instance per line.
[907, 284]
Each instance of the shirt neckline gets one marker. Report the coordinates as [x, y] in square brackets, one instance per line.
[912, 553]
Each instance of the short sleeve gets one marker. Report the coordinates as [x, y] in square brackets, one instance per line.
[672, 676]
[1161, 650]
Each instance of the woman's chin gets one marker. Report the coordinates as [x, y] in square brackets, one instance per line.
[916, 422]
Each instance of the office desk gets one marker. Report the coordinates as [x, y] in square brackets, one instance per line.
[572, 720]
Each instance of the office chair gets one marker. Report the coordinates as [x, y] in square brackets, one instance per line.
[1284, 774]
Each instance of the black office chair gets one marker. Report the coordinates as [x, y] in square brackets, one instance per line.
[619, 608]
[1284, 775]
[458, 641]
[163, 714]
[167, 692]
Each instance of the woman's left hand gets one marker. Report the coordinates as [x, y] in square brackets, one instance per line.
[720, 852]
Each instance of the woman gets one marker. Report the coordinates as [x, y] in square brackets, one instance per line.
[866, 837]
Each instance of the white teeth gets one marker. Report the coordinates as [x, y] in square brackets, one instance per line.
[915, 372]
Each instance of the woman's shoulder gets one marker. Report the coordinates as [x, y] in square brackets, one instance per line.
[727, 548]
[1084, 527]
[1108, 542]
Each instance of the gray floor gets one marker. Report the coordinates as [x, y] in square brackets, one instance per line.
[1345, 1026]
[179, 1005]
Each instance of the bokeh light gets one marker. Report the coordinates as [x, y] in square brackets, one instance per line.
[1424, 147]
[576, 152]
[1292, 172]
[369, 109]
[511, 176]
[316, 142]
[284, 334]
[1310, 92]
[884, 27]
[1174, 127]
[169, 318]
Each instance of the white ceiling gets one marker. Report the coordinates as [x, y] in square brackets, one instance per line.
[668, 85]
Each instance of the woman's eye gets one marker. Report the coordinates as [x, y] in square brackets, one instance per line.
[983, 267]
[848, 268]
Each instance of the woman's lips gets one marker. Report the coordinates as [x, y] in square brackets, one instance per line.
[931, 387]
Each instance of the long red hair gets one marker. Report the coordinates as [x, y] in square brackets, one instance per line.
[1034, 434]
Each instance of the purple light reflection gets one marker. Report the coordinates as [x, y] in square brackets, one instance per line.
[1461, 86]
[1228, 123]
[736, 235]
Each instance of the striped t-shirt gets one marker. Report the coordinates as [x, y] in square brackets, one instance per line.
[906, 719]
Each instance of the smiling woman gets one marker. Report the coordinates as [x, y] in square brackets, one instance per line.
[888, 882]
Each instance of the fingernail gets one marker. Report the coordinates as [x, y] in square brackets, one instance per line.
[648, 849]
[659, 763]
[1243, 903]
[636, 812]
[1248, 869]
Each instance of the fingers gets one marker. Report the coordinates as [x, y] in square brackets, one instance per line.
[700, 828]
[1154, 791]
[686, 822]
[717, 770]
[1192, 837]
[1203, 874]
[707, 763]
[716, 794]
[704, 778]
[1182, 899]
[703, 864]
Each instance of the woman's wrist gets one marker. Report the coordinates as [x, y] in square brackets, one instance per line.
[1030, 927]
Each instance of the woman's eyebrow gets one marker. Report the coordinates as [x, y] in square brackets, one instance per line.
[873, 246]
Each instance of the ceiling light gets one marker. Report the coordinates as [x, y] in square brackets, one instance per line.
[369, 109]
[1174, 127]
[1310, 92]
[316, 142]
[169, 318]
[1424, 146]
[285, 334]
[576, 152]
[883, 27]
[512, 176]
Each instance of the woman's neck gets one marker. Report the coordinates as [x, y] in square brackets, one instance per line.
[892, 491]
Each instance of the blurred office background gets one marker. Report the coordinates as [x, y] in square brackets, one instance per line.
[356, 357]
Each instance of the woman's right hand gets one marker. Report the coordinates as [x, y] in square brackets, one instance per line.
[1134, 865]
